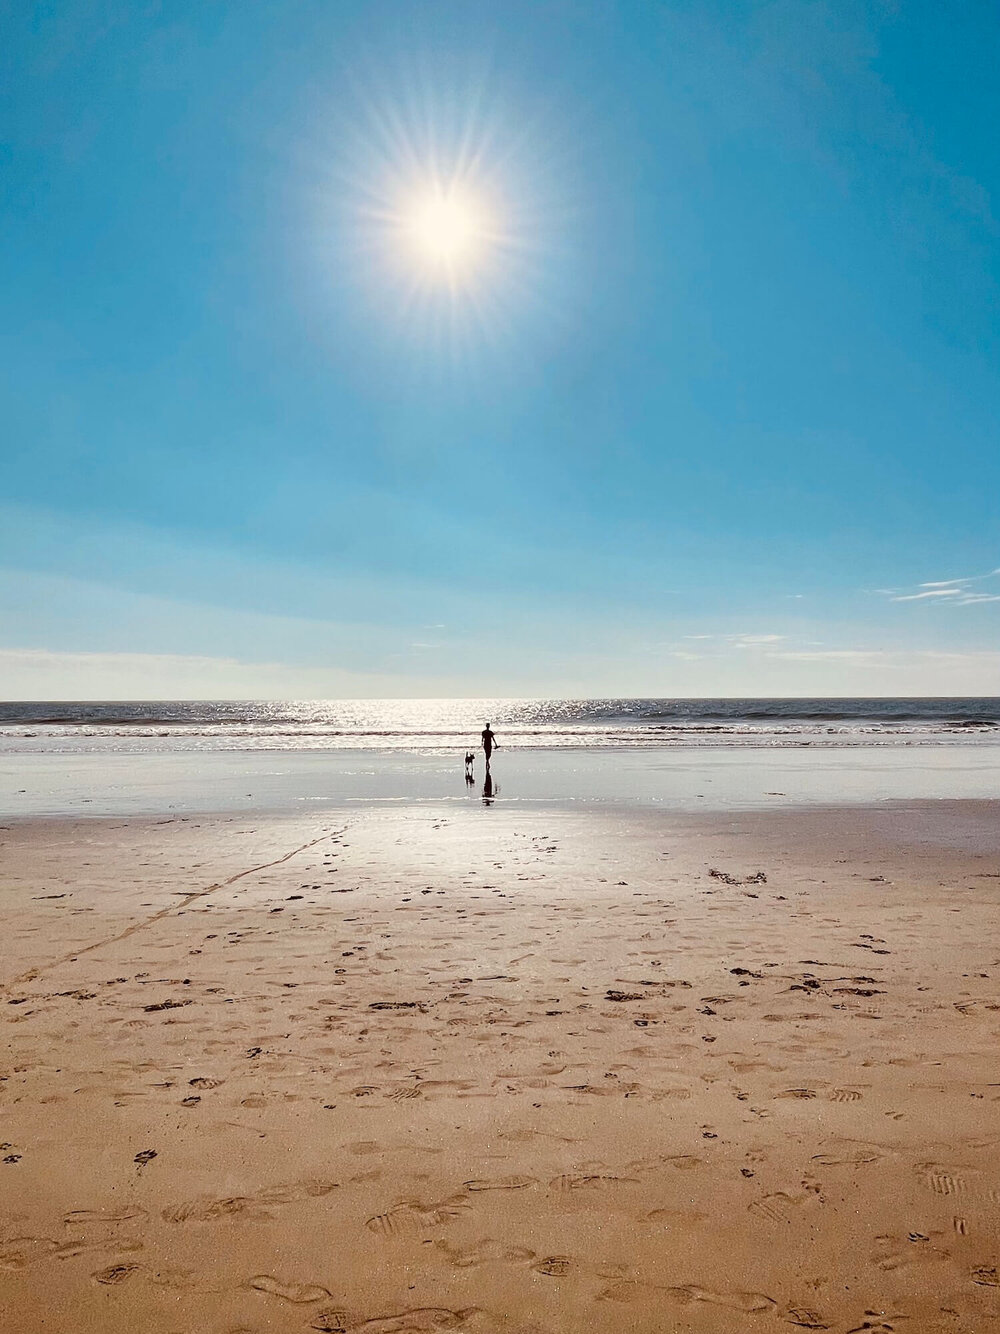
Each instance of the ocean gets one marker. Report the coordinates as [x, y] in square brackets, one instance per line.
[440, 726]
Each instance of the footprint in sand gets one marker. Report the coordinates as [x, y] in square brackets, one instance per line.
[98, 1218]
[207, 1210]
[684, 1162]
[860, 1158]
[423, 1320]
[330, 1322]
[201, 1082]
[116, 1274]
[749, 1303]
[299, 1294]
[20, 1252]
[297, 1190]
[489, 1250]
[408, 1091]
[778, 1207]
[804, 1318]
[500, 1183]
[940, 1180]
[889, 1259]
[411, 1216]
[483, 1252]
[625, 1290]
[554, 1266]
[681, 1218]
[844, 1095]
[659, 1095]
[589, 1181]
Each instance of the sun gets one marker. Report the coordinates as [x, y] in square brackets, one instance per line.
[447, 228]
[444, 202]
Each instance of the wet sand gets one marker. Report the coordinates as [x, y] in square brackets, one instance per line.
[683, 778]
[502, 1070]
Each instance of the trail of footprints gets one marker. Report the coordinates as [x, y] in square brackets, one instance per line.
[90, 1230]
[410, 1217]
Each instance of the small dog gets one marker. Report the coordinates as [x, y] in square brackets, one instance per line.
[469, 761]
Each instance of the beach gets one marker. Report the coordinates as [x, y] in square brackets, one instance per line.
[500, 668]
[450, 1066]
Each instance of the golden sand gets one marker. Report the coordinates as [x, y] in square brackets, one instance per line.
[400, 1072]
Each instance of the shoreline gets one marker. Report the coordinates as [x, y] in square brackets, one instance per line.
[666, 779]
[972, 824]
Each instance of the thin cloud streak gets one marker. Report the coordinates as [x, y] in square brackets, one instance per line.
[956, 590]
[930, 593]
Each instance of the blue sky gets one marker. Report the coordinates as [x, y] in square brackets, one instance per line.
[713, 411]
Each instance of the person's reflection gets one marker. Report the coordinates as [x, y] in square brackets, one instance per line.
[488, 789]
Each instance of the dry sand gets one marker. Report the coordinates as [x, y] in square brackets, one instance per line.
[496, 1070]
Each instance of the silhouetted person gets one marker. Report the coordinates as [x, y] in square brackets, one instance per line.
[489, 742]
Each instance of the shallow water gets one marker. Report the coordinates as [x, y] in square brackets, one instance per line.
[690, 779]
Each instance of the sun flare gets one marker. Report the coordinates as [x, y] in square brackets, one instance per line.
[446, 228]
[445, 209]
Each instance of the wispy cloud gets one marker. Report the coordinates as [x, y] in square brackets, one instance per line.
[955, 592]
[929, 593]
[896, 659]
[855, 655]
